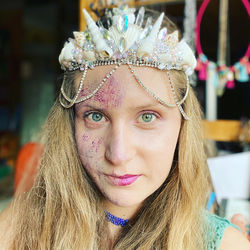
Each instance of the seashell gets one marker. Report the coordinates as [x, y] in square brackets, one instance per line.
[166, 58]
[66, 53]
[188, 57]
[80, 38]
[96, 35]
[88, 55]
[187, 60]
[131, 35]
[148, 45]
[172, 39]
[114, 34]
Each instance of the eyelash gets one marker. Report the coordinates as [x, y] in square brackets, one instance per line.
[155, 116]
[88, 113]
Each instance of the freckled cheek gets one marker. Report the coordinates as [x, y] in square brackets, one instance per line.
[90, 150]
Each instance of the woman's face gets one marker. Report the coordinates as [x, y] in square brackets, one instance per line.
[125, 138]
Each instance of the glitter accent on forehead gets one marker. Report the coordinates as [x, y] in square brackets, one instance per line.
[111, 94]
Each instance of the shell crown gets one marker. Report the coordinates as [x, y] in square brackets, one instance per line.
[127, 41]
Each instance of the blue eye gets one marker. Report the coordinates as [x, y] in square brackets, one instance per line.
[96, 116]
[147, 117]
[93, 116]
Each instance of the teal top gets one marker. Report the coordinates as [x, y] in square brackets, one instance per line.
[215, 230]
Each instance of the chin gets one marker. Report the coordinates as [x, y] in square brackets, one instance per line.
[124, 199]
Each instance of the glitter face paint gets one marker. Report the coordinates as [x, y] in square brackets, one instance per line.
[128, 157]
[109, 95]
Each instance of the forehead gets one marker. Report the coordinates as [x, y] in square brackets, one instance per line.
[122, 83]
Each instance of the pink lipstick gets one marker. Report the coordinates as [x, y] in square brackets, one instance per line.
[123, 180]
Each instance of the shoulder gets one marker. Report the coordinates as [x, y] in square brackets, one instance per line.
[233, 239]
[5, 229]
[223, 235]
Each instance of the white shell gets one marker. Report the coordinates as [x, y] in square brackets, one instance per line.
[188, 60]
[66, 53]
[148, 44]
[96, 35]
[131, 35]
[172, 39]
[166, 58]
[88, 55]
[188, 57]
[80, 38]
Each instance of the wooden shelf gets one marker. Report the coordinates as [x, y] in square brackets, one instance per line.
[154, 2]
[226, 130]
[132, 3]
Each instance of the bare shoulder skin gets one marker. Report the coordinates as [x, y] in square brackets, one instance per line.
[234, 239]
[5, 229]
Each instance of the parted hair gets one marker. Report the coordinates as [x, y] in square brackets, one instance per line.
[64, 209]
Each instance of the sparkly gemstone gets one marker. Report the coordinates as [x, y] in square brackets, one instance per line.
[106, 35]
[162, 34]
[125, 55]
[87, 35]
[161, 66]
[91, 64]
[122, 44]
[122, 24]
[140, 16]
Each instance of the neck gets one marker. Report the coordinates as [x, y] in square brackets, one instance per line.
[122, 212]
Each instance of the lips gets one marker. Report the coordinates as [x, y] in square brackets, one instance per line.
[122, 180]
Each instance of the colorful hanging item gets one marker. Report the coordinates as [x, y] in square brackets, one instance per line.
[224, 75]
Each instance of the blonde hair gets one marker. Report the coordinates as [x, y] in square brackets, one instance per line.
[64, 209]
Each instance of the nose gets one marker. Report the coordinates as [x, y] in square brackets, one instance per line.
[119, 149]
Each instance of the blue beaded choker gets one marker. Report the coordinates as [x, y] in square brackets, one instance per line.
[115, 220]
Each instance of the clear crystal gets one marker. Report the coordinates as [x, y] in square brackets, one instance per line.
[161, 66]
[100, 25]
[106, 35]
[145, 32]
[162, 34]
[122, 24]
[122, 44]
[149, 22]
[140, 16]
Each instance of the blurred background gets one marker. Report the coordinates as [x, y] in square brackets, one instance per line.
[32, 34]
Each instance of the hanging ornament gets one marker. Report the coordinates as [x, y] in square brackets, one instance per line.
[226, 74]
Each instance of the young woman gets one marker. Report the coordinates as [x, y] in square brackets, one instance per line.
[123, 164]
